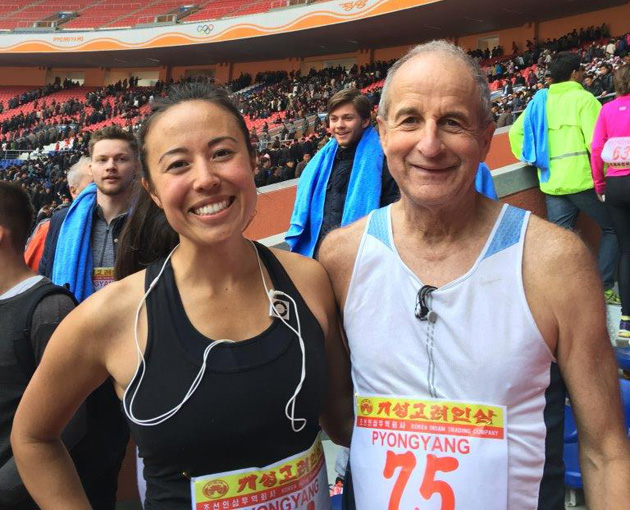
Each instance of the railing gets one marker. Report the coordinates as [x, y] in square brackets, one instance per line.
[601, 99]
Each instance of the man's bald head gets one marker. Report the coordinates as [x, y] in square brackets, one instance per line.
[445, 50]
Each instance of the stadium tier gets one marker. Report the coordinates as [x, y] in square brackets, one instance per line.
[20, 14]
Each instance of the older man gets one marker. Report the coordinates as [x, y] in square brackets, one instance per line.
[458, 325]
[78, 178]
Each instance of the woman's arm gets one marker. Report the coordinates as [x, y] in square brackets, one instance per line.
[599, 140]
[312, 281]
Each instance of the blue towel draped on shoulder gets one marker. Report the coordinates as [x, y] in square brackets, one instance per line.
[484, 183]
[535, 134]
[363, 196]
[73, 256]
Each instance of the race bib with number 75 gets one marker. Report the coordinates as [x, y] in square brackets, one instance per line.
[410, 454]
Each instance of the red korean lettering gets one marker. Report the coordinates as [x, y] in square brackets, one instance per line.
[302, 467]
[419, 412]
[439, 413]
[460, 414]
[287, 471]
[269, 479]
[401, 410]
[484, 418]
[247, 482]
[384, 408]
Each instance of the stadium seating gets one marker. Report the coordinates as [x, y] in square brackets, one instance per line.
[7, 93]
[117, 14]
[228, 8]
[100, 14]
[31, 12]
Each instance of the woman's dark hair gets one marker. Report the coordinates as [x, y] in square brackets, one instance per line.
[621, 80]
[147, 236]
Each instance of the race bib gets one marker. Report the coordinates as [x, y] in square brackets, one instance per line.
[102, 277]
[297, 483]
[410, 454]
[616, 151]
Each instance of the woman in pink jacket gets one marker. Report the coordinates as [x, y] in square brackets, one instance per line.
[610, 162]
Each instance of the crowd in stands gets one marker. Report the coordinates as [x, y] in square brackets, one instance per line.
[517, 77]
[38, 93]
[44, 178]
[286, 106]
[301, 95]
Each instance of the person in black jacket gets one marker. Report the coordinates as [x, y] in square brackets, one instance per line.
[30, 309]
[606, 79]
[114, 164]
[348, 117]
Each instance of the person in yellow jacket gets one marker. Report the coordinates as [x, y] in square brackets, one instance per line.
[554, 134]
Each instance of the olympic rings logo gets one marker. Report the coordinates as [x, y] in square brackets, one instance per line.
[205, 29]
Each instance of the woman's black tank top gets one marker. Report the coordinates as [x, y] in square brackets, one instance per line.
[236, 417]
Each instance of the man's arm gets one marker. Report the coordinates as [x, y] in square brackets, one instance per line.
[556, 265]
[48, 257]
[337, 253]
[516, 137]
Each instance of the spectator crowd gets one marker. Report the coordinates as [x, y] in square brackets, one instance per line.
[285, 110]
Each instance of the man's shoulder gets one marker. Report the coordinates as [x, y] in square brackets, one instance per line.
[551, 250]
[58, 216]
[339, 248]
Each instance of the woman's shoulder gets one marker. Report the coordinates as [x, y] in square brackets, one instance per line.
[113, 306]
[616, 107]
[300, 268]
[312, 282]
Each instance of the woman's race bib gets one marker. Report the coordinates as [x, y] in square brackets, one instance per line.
[297, 483]
[616, 151]
[410, 454]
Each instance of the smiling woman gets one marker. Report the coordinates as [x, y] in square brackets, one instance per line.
[237, 354]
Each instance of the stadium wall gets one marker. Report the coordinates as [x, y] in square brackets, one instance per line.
[617, 18]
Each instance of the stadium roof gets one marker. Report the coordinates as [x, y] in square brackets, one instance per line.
[445, 18]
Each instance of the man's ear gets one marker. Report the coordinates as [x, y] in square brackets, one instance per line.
[365, 123]
[147, 186]
[486, 138]
[382, 131]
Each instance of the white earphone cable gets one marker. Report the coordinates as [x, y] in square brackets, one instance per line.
[141, 367]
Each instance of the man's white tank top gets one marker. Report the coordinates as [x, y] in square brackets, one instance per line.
[484, 346]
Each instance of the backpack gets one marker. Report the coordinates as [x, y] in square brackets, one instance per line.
[23, 347]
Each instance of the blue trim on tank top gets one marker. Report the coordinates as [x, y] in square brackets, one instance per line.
[379, 226]
[509, 231]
